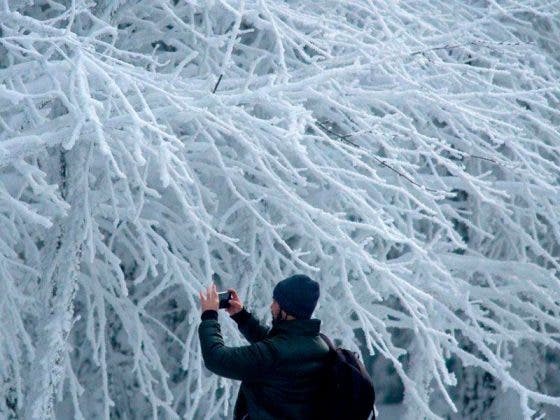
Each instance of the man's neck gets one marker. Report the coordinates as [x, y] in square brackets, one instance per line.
[287, 318]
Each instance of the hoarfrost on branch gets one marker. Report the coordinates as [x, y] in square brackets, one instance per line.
[405, 155]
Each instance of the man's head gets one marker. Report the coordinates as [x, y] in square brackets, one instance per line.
[278, 314]
[294, 297]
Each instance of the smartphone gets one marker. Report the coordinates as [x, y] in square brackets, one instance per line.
[224, 299]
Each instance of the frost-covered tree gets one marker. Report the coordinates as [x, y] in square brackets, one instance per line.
[404, 154]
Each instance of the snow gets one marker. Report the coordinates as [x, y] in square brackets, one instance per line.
[405, 155]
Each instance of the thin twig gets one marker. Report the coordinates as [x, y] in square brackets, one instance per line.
[343, 137]
[481, 43]
[340, 136]
[493, 161]
[217, 83]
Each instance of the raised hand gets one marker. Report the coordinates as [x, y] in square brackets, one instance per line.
[235, 304]
[209, 299]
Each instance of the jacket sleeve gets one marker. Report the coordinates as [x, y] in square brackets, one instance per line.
[249, 326]
[242, 363]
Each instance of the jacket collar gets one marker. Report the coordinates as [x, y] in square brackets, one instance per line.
[297, 326]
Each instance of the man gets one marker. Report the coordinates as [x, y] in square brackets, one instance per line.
[280, 372]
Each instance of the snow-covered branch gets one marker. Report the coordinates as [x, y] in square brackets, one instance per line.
[406, 156]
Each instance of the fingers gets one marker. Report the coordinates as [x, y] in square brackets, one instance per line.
[206, 294]
[233, 294]
[212, 294]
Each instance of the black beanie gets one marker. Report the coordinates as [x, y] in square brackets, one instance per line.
[297, 295]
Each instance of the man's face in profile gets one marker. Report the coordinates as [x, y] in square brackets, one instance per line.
[274, 309]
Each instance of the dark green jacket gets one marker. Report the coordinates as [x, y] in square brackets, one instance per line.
[279, 371]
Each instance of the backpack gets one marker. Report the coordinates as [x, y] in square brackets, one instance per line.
[347, 391]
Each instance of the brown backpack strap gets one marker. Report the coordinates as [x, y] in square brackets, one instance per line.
[328, 341]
